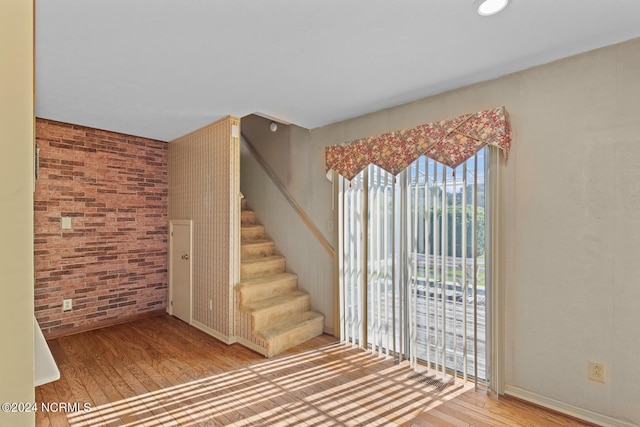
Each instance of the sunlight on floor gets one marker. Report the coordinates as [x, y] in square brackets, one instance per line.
[323, 380]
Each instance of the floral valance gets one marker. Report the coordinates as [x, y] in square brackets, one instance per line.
[449, 141]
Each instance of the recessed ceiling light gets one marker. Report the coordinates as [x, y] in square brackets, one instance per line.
[489, 7]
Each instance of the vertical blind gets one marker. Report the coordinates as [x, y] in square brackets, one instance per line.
[411, 265]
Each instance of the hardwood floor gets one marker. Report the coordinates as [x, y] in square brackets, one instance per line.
[161, 372]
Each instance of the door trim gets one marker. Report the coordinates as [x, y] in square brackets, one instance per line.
[173, 222]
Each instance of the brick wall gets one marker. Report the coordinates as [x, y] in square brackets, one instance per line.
[113, 260]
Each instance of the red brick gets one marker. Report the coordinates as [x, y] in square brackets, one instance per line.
[103, 180]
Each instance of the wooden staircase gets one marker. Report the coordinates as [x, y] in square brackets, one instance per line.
[272, 314]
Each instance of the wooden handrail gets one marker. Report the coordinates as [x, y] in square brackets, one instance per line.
[296, 207]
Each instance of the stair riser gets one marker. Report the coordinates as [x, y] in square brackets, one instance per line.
[260, 269]
[294, 337]
[254, 251]
[251, 233]
[263, 318]
[248, 217]
[267, 290]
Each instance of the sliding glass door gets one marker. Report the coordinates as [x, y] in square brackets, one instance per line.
[413, 282]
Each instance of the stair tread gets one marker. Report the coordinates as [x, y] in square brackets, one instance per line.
[248, 217]
[273, 302]
[256, 248]
[251, 232]
[251, 226]
[268, 296]
[289, 323]
[256, 281]
[257, 260]
[257, 242]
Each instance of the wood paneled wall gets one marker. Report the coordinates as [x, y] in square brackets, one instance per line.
[204, 186]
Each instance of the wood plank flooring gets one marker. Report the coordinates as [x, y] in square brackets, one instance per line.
[161, 372]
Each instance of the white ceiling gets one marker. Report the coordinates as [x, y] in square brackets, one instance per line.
[162, 68]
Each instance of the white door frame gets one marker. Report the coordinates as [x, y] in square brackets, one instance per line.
[170, 293]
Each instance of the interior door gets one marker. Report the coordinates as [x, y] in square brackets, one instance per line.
[180, 280]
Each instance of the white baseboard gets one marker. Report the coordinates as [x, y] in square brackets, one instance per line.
[217, 335]
[252, 346]
[574, 411]
[228, 340]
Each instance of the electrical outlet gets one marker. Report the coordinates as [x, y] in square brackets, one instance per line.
[67, 304]
[210, 305]
[596, 372]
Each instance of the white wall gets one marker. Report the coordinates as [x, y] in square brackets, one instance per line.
[572, 194]
[16, 208]
[295, 156]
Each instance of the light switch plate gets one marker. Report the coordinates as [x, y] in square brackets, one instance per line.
[65, 222]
